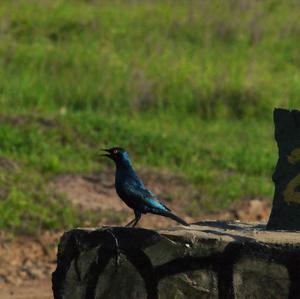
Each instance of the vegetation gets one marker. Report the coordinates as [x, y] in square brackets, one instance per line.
[187, 86]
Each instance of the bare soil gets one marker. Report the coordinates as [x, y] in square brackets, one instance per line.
[26, 262]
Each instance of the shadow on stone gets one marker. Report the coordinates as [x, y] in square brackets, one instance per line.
[148, 262]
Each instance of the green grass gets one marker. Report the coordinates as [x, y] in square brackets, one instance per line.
[224, 160]
[202, 58]
[187, 86]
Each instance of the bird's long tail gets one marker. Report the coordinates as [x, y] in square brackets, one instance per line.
[174, 217]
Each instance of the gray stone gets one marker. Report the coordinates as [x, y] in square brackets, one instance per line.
[194, 284]
[254, 278]
[207, 260]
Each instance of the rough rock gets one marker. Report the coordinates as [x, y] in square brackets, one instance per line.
[206, 260]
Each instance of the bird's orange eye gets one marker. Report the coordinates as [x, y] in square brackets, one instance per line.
[115, 151]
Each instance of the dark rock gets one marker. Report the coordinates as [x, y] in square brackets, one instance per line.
[208, 260]
[285, 214]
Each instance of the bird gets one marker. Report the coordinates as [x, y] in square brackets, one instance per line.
[131, 189]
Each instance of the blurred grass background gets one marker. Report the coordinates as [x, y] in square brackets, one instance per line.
[187, 86]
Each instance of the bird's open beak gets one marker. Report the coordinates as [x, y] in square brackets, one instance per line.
[106, 155]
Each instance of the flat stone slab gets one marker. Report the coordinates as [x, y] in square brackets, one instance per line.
[208, 260]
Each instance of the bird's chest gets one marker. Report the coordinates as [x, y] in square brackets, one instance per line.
[120, 188]
[121, 185]
[124, 190]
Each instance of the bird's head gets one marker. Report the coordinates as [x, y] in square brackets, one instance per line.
[116, 153]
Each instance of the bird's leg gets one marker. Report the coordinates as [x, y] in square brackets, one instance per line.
[128, 224]
[134, 221]
[137, 218]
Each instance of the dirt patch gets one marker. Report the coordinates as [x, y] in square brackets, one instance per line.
[247, 210]
[89, 192]
[26, 265]
[34, 289]
[25, 258]
[96, 192]
[253, 210]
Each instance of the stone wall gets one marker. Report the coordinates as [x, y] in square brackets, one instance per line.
[207, 260]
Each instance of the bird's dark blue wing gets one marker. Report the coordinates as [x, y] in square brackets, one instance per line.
[143, 196]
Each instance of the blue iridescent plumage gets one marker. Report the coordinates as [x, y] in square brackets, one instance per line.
[132, 191]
